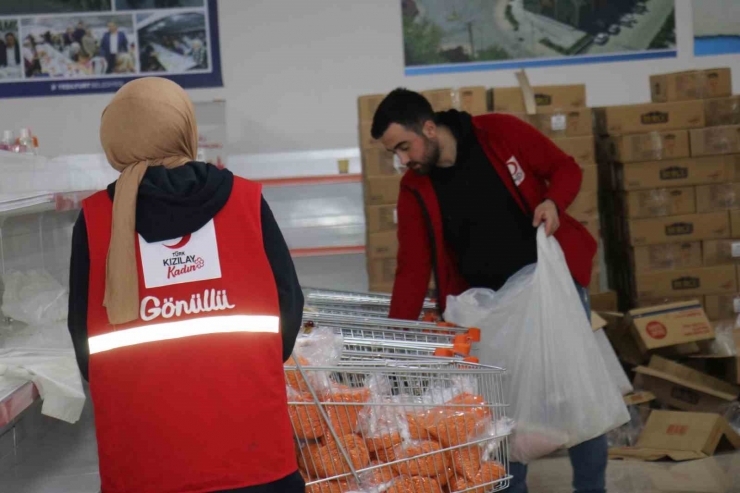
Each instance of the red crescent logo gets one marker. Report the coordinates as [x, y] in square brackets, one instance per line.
[184, 241]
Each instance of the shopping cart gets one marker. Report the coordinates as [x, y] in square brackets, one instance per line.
[363, 304]
[416, 426]
[396, 338]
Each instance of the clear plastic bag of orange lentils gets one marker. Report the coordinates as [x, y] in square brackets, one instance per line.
[314, 347]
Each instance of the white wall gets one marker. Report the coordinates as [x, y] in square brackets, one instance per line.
[294, 68]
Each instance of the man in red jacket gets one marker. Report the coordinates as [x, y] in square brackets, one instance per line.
[475, 191]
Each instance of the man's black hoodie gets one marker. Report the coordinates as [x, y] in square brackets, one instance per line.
[172, 203]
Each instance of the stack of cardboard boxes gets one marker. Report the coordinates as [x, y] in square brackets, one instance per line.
[382, 179]
[562, 114]
[672, 189]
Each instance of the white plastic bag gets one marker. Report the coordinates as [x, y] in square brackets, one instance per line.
[559, 389]
[34, 297]
[620, 378]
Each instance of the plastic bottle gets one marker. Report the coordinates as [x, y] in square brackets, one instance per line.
[25, 142]
[8, 141]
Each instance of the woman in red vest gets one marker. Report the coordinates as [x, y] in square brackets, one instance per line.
[184, 304]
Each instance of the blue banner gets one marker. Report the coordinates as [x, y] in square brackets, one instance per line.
[70, 47]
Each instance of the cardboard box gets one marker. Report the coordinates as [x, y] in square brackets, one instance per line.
[719, 197]
[661, 202]
[368, 105]
[668, 300]
[590, 180]
[378, 162]
[680, 436]
[667, 256]
[382, 190]
[381, 271]
[684, 388]
[593, 225]
[653, 146]
[722, 111]
[473, 100]
[650, 117]
[511, 99]
[669, 325]
[690, 227]
[586, 204]
[692, 84]
[594, 286]
[382, 245]
[558, 124]
[680, 172]
[721, 360]
[366, 138]
[605, 302]
[440, 99]
[381, 218]
[380, 287]
[712, 141]
[721, 252]
[686, 282]
[735, 223]
[582, 149]
[722, 306]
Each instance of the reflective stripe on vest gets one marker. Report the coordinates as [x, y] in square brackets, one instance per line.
[184, 328]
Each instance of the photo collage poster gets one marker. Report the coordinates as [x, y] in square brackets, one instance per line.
[65, 47]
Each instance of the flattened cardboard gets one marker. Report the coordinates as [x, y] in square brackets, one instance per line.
[712, 141]
[473, 100]
[659, 202]
[378, 162]
[382, 190]
[665, 300]
[692, 84]
[721, 252]
[669, 325]
[667, 256]
[686, 282]
[722, 111]
[680, 436]
[684, 388]
[717, 197]
[511, 99]
[641, 397]
[582, 149]
[689, 227]
[722, 306]
[381, 218]
[680, 172]
[653, 146]
[382, 245]
[650, 117]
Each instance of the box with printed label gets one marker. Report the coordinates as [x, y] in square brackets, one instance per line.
[511, 99]
[367, 105]
[667, 256]
[735, 223]
[661, 202]
[585, 204]
[582, 149]
[590, 179]
[366, 138]
[692, 84]
[653, 146]
[378, 162]
[722, 306]
[683, 436]
[684, 388]
[680, 172]
[650, 117]
[718, 197]
[382, 270]
[686, 282]
[669, 325]
[473, 100]
[382, 190]
[381, 218]
[556, 123]
[382, 245]
[440, 99]
[722, 111]
[721, 252]
[690, 227]
[713, 141]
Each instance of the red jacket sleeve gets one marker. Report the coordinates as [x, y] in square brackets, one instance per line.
[414, 263]
[547, 162]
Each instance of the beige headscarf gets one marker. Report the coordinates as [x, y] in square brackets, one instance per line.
[149, 122]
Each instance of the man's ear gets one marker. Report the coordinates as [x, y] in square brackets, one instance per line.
[429, 129]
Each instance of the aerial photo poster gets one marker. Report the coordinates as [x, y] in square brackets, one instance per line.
[716, 27]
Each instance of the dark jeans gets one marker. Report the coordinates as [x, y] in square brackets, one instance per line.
[588, 458]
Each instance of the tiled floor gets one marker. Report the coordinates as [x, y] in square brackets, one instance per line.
[64, 460]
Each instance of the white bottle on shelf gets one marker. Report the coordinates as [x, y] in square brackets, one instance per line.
[8, 141]
[26, 142]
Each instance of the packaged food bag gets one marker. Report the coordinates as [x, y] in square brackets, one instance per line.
[558, 387]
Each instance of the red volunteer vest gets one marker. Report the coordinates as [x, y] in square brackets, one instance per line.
[191, 397]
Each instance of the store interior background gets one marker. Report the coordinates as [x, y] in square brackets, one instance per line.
[292, 73]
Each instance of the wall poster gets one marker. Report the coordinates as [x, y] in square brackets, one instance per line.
[716, 27]
[467, 35]
[65, 47]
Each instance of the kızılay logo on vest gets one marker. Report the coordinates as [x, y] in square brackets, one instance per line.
[180, 263]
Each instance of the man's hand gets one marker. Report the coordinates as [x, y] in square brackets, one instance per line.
[547, 212]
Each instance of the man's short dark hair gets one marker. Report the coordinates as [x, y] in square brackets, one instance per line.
[407, 108]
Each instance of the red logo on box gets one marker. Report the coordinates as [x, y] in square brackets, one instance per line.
[677, 429]
[656, 330]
